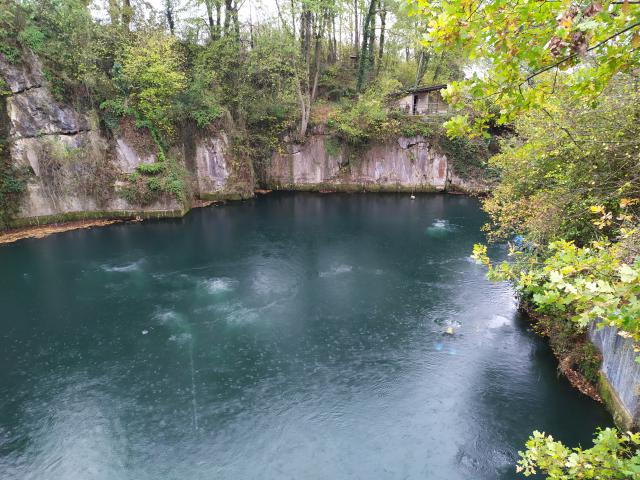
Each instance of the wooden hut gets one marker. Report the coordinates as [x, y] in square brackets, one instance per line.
[423, 100]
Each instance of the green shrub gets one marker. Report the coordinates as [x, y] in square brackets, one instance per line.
[32, 37]
[206, 116]
[152, 180]
[332, 146]
[10, 53]
[151, 168]
[588, 362]
[468, 156]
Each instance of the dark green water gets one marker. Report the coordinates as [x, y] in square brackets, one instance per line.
[296, 336]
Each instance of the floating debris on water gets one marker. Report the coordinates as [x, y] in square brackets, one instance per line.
[144, 332]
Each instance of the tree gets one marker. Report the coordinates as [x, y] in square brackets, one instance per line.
[581, 45]
[169, 11]
[366, 52]
[153, 78]
[213, 24]
[383, 26]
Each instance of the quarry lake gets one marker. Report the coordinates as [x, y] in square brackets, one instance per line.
[294, 336]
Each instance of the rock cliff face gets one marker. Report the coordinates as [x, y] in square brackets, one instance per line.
[77, 170]
[408, 164]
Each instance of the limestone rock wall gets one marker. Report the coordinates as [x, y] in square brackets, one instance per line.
[67, 155]
[217, 174]
[77, 168]
[408, 164]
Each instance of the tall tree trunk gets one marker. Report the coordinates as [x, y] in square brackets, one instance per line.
[127, 14]
[212, 25]
[168, 4]
[228, 7]
[436, 72]
[331, 35]
[218, 17]
[236, 21]
[113, 9]
[308, 20]
[333, 38]
[251, 44]
[372, 38]
[356, 42]
[383, 26]
[304, 47]
[423, 63]
[293, 19]
[363, 60]
[305, 109]
[319, 33]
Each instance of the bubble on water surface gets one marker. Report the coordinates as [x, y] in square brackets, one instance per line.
[181, 338]
[440, 228]
[175, 322]
[144, 332]
[338, 270]
[439, 223]
[123, 268]
[218, 285]
[167, 316]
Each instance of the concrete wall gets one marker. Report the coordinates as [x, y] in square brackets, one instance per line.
[620, 375]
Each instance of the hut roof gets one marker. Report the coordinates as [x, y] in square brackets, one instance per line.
[427, 88]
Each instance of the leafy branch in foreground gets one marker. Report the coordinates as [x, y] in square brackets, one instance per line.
[590, 283]
[613, 456]
[523, 49]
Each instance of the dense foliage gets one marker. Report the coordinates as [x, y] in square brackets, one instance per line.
[524, 49]
[575, 204]
[614, 456]
[562, 78]
[565, 160]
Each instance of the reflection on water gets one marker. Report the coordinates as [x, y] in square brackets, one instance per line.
[293, 336]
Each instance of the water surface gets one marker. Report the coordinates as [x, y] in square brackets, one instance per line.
[295, 336]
